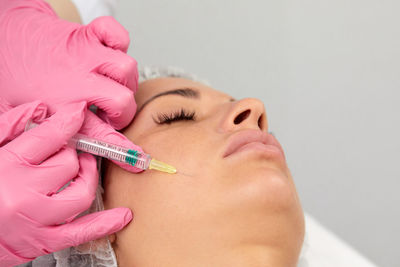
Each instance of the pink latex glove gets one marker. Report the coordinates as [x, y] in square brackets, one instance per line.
[33, 168]
[49, 59]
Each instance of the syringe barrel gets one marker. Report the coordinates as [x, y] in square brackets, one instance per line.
[110, 151]
[100, 148]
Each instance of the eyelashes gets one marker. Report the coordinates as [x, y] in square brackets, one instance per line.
[179, 115]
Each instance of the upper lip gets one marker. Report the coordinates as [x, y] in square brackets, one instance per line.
[244, 137]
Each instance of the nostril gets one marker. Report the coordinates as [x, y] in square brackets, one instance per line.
[242, 116]
[260, 122]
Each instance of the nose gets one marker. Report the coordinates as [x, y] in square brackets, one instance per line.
[247, 113]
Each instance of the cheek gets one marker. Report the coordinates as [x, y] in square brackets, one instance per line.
[186, 148]
[117, 185]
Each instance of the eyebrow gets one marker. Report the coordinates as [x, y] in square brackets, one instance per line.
[185, 92]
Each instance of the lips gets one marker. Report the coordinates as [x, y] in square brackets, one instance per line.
[244, 137]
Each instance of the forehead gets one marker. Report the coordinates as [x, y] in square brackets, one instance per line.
[152, 87]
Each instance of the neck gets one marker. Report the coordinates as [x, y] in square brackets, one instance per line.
[258, 256]
[250, 255]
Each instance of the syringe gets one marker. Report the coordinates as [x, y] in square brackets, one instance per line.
[100, 148]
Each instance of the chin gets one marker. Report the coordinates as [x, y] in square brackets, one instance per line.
[270, 187]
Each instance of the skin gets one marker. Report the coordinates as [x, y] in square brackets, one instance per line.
[65, 9]
[241, 210]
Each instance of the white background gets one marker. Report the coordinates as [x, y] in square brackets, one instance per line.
[329, 75]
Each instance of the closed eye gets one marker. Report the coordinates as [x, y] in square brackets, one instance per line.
[179, 115]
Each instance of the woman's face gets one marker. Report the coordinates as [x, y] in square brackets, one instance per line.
[228, 204]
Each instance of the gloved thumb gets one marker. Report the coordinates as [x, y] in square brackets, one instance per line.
[13, 121]
[110, 33]
[90, 227]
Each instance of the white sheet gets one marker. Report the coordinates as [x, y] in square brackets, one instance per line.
[322, 248]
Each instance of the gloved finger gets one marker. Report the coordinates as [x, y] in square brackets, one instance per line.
[116, 101]
[13, 121]
[62, 167]
[39, 143]
[4, 106]
[96, 128]
[77, 196]
[89, 227]
[119, 67]
[110, 33]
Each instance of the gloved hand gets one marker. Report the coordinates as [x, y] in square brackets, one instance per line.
[34, 165]
[56, 61]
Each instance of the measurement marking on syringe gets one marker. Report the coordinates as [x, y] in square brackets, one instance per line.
[100, 150]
